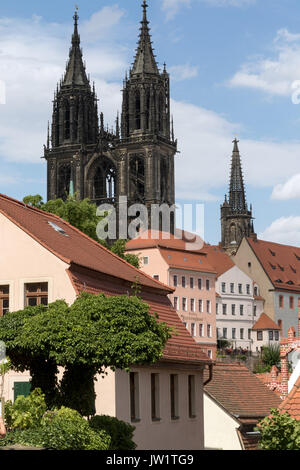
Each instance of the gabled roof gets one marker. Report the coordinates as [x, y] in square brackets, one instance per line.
[280, 262]
[240, 392]
[218, 258]
[72, 246]
[265, 323]
[292, 403]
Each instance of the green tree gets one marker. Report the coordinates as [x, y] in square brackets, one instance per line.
[82, 214]
[279, 431]
[94, 333]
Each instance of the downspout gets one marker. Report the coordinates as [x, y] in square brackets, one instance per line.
[210, 375]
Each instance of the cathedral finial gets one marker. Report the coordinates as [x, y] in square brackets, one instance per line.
[145, 6]
[235, 144]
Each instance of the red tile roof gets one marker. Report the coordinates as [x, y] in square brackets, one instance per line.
[218, 258]
[73, 246]
[265, 323]
[292, 403]
[280, 262]
[240, 392]
[93, 268]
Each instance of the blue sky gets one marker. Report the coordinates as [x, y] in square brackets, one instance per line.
[233, 66]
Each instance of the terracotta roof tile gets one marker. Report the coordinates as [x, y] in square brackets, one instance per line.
[292, 403]
[280, 262]
[240, 392]
[265, 323]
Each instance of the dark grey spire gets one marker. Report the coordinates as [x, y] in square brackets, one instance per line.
[144, 62]
[237, 198]
[75, 72]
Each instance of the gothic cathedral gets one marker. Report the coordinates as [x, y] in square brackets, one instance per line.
[136, 159]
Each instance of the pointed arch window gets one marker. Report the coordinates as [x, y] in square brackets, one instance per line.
[161, 112]
[137, 178]
[137, 110]
[64, 178]
[105, 181]
[147, 110]
[67, 120]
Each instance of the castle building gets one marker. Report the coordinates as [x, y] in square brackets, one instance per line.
[136, 160]
[236, 218]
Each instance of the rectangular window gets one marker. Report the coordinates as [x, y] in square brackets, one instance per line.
[292, 303]
[225, 333]
[199, 284]
[233, 333]
[146, 260]
[200, 303]
[207, 284]
[223, 287]
[4, 300]
[242, 309]
[134, 396]
[254, 310]
[192, 305]
[193, 329]
[248, 289]
[183, 281]
[175, 281]
[281, 301]
[232, 288]
[174, 392]
[271, 336]
[155, 405]
[276, 335]
[233, 309]
[36, 294]
[242, 333]
[201, 330]
[156, 277]
[240, 289]
[184, 304]
[249, 334]
[176, 303]
[259, 336]
[209, 331]
[217, 308]
[192, 396]
[191, 282]
[208, 306]
[224, 306]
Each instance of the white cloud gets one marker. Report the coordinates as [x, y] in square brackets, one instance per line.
[183, 72]
[172, 7]
[288, 190]
[285, 230]
[274, 75]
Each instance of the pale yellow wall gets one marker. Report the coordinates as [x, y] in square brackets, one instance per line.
[105, 390]
[220, 429]
[156, 264]
[184, 433]
[245, 255]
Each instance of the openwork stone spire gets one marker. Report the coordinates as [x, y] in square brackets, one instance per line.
[144, 62]
[237, 198]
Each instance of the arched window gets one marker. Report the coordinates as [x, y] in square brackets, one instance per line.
[137, 178]
[104, 181]
[137, 110]
[164, 180]
[161, 112]
[64, 178]
[147, 110]
[67, 120]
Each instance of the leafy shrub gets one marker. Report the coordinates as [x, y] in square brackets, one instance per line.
[121, 433]
[26, 412]
[279, 431]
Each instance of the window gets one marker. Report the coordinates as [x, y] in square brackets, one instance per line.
[271, 335]
[199, 284]
[209, 353]
[176, 303]
[276, 335]
[134, 396]
[209, 332]
[242, 333]
[223, 287]
[155, 406]
[208, 306]
[249, 334]
[241, 309]
[175, 281]
[281, 301]
[4, 300]
[156, 277]
[259, 336]
[21, 388]
[256, 291]
[219, 335]
[233, 333]
[224, 307]
[191, 282]
[200, 303]
[184, 304]
[192, 305]
[232, 288]
[292, 303]
[174, 396]
[224, 333]
[192, 396]
[201, 330]
[193, 329]
[36, 294]
[207, 284]
[248, 289]
[183, 281]
[233, 309]
[240, 289]
[254, 310]
[146, 260]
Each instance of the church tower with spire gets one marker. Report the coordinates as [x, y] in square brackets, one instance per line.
[236, 218]
[136, 159]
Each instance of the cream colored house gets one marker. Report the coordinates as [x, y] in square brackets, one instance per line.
[43, 259]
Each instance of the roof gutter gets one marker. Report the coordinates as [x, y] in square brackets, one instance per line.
[210, 375]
